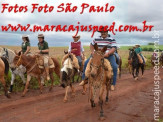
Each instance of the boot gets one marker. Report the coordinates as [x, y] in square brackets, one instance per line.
[112, 88]
[83, 82]
[47, 73]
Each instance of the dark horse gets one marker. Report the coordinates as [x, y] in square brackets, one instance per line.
[135, 64]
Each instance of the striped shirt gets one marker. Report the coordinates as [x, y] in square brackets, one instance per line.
[108, 41]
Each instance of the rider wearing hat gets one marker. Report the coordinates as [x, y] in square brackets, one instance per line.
[104, 40]
[77, 49]
[25, 47]
[138, 51]
[44, 51]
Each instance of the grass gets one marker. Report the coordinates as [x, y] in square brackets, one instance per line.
[58, 52]
[143, 46]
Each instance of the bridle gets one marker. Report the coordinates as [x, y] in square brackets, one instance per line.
[19, 62]
[101, 65]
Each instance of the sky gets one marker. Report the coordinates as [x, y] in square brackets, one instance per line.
[126, 12]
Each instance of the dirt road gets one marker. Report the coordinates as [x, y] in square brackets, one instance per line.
[132, 101]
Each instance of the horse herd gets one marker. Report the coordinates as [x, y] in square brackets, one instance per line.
[98, 73]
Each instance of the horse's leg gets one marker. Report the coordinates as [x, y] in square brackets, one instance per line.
[26, 85]
[4, 85]
[12, 82]
[52, 81]
[92, 97]
[107, 91]
[84, 89]
[142, 69]
[39, 81]
[133, 72]
[73, 90]
[137, 72]
[66, 94]
[101, 102]
[42, 81]
[22, 77]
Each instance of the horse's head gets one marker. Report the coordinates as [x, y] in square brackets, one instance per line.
[131, 54]
[4, 53]
[97, 60]
[66, 71]
[18, 60]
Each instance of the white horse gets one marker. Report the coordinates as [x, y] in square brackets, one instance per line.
[9, 54]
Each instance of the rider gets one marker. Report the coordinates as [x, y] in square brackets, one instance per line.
[44, 51]
[77, 49]
[138, 51]
[25, 47]
[104, 40]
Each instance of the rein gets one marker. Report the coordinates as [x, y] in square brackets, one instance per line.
[26, 65]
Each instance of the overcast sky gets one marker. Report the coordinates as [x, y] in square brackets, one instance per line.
[126, 12]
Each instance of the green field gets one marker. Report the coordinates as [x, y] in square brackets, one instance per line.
[143, 46]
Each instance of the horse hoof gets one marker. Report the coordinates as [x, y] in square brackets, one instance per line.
[102, 118]
[142, 76]
[83, 93]
[8, 96]
[23, 95]
[136, 78]
[93, 105]
[65, 100]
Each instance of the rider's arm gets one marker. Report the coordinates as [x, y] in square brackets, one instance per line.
[46, 49]
[113, 49]
[69, 49]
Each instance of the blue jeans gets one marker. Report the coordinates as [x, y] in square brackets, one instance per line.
[142, 58]
[79, 60]
[113, 63]
[117, 56]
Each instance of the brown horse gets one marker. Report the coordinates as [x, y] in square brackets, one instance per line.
[70, 68]
[154, 59]
[4, 71]
[98, 77]
[161, 59]
[32, 67]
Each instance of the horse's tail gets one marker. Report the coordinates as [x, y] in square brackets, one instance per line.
[6, 65]
[57, 67]
[120, 66]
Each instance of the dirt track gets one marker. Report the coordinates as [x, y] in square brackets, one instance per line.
[131, 102]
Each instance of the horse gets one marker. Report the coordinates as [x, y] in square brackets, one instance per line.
[4, 71]
[70, 68]
[161, 59]
[154, 59]
[99, 76]
[32, 67]
[20, 71]
[135, 64]
[130, 62]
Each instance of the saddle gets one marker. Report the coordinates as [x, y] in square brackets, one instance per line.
[40, 62]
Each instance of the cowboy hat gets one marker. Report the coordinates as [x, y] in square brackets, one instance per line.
[137, 45]
[76, 37]
[40, 35]
[103, 29]
[25, 36]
